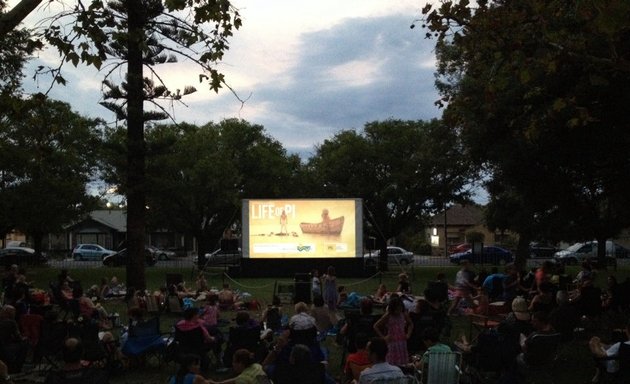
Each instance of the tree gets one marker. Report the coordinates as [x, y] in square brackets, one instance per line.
[539, 91]
[139, 34]
[401, 169]
[51, 155]
[197, 176]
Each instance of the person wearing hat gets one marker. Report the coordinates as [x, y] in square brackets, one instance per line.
[516, 323]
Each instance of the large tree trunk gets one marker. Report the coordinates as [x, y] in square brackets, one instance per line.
[522, 250]
[204, 244]
[382, 257]
[602, 263]
[135, 147]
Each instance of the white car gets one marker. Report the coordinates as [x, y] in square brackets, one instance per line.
[395, 255]
[90, 252]
[580, 252]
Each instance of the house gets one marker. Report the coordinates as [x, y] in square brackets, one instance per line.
[460, 221]
[108, 228]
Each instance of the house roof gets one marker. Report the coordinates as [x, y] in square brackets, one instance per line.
[461, 215]
[115, 219]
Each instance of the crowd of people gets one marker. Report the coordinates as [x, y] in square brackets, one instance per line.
[519, 320]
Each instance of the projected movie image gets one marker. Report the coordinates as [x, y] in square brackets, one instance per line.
[301, 228]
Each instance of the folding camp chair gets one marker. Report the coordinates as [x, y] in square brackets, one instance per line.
[442, 368]
[144, 340]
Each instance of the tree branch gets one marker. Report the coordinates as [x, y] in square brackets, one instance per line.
[11, 19]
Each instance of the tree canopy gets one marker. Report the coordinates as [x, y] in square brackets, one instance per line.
[48, 155]
[539, 91]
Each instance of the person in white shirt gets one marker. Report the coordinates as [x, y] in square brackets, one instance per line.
[380, 369]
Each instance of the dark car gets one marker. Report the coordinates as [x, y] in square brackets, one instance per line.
[490, 255]
[21, 256]
[541, 250]
[120, 258]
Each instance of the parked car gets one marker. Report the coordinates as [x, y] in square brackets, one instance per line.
[221, 258]
[162, 254]
[463, 247]
[541, 250]
[394, 255]
[580, 252]
[489, 255]
[21, 256]
[121, 258]
[90, 252]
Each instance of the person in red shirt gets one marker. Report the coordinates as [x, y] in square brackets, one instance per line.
[359, 358]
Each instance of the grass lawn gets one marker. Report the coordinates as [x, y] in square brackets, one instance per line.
[575, 365]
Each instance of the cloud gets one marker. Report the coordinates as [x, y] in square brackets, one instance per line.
[304, 79]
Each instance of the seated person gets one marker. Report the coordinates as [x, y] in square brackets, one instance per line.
[428, 312]
[380, 296]
[359, 358]
[363, 322]
[272, 316]
[228, 299]
[300, 369]
[244, 335]
[75, 370]
[201, 283]
[431, 339]
[13, 347]
[189, 323]
[192, 321]
[601, 350]
[493, 284]
[380, 369]
[188, 372]
[537, 349]
[248, 371]
[564, 317]
[302, 320]
[321, 314]
[404, 286]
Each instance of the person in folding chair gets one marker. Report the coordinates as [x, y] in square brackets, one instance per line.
[75, 370]
[380, 369]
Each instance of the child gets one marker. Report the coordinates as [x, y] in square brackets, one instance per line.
[395, 327]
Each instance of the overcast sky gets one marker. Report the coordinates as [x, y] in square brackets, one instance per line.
[308, 68]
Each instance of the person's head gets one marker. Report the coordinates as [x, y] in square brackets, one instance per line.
[540, 320]
[365, 306]
[441, 276]
[226, 286]
[395, 305]
[341, 288]
[331, 270]
[136, 313]
[494, 270]
[276, 302]
[318, 301]
[431, 296]
[242, 359]
[430, 336]
[546, 287]
[191, 313]
[464, 264]
[190, 363]
[315, 273]
[520, 309]
[377, 349]
[301, 307]
[382, 288]
[242, 317]
[403, 276]
[72, 350]
[612, 281]
[300, 355]
[587, 266]
[361, 340]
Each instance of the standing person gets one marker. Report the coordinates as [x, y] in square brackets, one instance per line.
[316, 284]
[395, 326]
[403, 284]
[464, 286]
[331, 295]
[283, 223]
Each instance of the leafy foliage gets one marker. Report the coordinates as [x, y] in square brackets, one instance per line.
[539, 91]
[401, 170]
[48, 155]
[197, 176]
